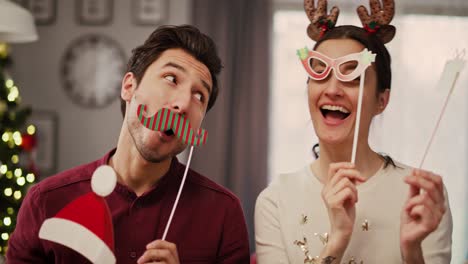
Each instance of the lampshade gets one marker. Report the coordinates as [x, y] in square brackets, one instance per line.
[16, 23]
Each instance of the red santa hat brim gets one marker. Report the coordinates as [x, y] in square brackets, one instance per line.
[78, 238]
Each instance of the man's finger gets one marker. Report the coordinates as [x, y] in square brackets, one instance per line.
[152, 255]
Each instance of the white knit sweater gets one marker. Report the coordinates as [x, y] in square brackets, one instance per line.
[282, 207]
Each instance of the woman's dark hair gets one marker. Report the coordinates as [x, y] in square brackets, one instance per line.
[185, 37]
[316, 150]
[372, 43]
[387, 159]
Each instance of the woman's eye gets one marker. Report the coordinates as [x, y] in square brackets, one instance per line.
[319, 69]
[318, 66]
[170, 78]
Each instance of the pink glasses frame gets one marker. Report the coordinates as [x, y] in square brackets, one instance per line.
[364, 59]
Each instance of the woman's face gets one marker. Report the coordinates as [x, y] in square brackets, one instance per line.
[333, 104]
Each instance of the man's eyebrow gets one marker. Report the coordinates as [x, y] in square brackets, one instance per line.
[175, 65]
[181, 68]
[207, 87]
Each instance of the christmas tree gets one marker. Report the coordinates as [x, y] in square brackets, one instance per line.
[17, 170]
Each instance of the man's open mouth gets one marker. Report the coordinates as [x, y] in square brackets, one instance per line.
[169, 132]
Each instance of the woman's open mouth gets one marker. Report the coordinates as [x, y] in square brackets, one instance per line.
[334, 114]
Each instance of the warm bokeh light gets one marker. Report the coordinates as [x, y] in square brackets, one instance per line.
[31, 129]
[8, 191]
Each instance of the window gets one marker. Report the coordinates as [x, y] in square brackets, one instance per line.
[422, 45]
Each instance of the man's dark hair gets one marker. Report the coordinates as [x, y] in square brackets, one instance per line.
[185, 37]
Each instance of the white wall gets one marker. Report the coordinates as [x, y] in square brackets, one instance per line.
[84, 134]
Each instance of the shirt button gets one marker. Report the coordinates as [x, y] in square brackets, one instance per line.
[133, 254]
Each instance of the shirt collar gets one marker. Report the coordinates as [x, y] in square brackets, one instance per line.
[170, 178]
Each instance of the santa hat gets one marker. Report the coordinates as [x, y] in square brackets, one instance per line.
[85, 224]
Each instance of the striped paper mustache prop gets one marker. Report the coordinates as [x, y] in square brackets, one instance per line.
[165, 119]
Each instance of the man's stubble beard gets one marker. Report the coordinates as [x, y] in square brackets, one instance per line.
[147, 153]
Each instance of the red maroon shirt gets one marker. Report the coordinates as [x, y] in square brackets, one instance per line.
[208, 224]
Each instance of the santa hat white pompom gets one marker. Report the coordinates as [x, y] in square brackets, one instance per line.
[103, 181]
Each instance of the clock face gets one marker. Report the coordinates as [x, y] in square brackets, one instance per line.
[92, 70]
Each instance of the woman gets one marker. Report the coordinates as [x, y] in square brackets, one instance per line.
[332, 211]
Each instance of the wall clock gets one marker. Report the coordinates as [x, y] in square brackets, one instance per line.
[92, 69]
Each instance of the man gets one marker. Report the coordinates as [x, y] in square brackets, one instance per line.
[175, 68]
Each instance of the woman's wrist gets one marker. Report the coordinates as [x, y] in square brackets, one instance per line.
[337, 246]
[334, 250]
[411, 253]
[339, 239]
[331, 254]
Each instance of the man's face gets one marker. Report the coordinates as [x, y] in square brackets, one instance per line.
[176, 80]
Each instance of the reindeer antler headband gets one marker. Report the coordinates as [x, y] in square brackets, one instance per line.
[377, 22]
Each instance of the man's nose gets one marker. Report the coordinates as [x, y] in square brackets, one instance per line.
[181, 101]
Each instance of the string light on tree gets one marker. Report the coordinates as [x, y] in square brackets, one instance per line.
[17, 195]
[15, 159]
[9, 83]
[31, 130]
[3, 169]
[10, 210]
[21, 181]
[30, 177]
[8, 192]
[5, 137]
[7, 221]
[5, 236]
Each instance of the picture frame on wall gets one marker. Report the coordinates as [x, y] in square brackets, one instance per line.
[94, 12]
[43, 11]
[46, 124]
[150, 12]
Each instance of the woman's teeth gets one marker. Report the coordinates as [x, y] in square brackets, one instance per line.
[335, 108]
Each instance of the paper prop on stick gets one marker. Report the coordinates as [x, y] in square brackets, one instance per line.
[447, 81]
[165, 120]
[166, 230]
[85, 224]
[346, 69]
